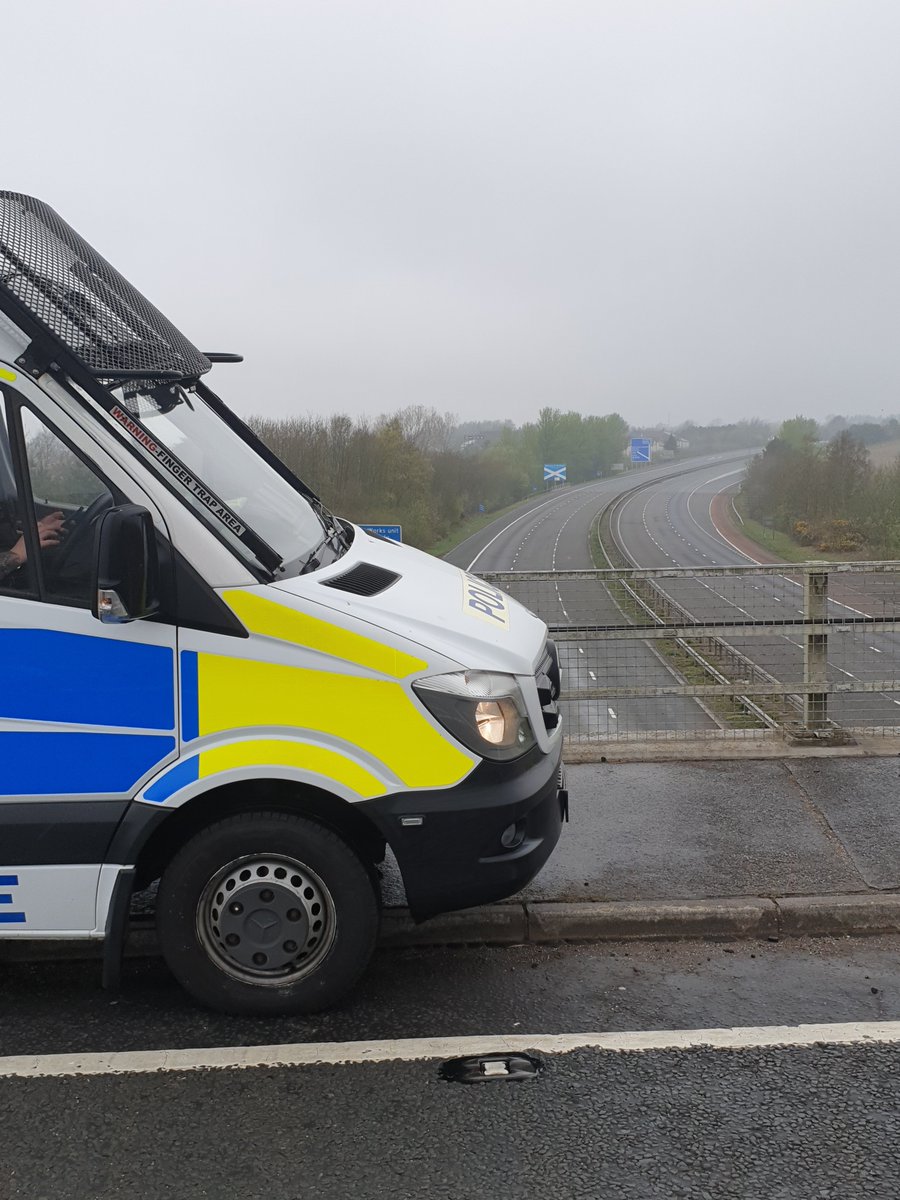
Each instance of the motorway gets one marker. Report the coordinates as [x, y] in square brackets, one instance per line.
[554, 535]
[671, 524]
[663, 518]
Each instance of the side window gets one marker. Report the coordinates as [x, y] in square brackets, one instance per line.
[15, 571]
[68, 499]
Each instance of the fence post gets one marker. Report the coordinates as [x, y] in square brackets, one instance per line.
[815, 648]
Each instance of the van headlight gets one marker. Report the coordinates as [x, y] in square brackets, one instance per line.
[483, 710]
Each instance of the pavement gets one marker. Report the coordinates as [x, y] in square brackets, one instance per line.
[706, 849]
[721, 849]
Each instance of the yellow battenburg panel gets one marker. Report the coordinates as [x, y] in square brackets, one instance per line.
[375, 714]
[273, 620]
[9, 376]
[270, 752]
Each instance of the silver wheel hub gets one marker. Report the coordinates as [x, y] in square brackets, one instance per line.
[266, 919]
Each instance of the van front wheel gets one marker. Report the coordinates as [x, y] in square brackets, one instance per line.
[267, 914]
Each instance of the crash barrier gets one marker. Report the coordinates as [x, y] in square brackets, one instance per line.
[807, 651]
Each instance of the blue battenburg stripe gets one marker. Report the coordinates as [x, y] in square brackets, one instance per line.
[81, 680]
[10, 918]
[190, 717]
[174, 780]
[58, 764]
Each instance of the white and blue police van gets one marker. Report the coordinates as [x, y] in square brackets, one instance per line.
[211, 681]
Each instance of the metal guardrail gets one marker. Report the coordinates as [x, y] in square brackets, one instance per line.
[809, 651]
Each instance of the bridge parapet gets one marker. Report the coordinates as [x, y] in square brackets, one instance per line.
[804, 652]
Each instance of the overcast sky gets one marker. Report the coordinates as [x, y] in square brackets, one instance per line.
[671, 208]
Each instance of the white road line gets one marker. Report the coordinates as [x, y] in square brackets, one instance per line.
[612, 713]
[877, 651]
[305, 1054]
[592, 675]
[580, 651]
[521, 517]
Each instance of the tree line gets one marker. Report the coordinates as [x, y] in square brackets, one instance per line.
[419, 468]
[826, 494]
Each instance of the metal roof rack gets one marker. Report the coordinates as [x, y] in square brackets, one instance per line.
[60, 291]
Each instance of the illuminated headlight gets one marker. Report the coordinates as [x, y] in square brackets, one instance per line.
[484, 711]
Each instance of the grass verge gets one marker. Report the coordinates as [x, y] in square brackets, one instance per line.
[471, 525]
[782, 545]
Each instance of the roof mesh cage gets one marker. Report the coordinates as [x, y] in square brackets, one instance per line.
[47, 269]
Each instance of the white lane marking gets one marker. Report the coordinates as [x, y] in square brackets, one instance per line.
[580, 651]
[307, 1054]
[877, 651]
[705, 483]
[592, 675]
[612, 713]
[521, 517]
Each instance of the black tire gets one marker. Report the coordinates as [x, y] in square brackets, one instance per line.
[307, 925]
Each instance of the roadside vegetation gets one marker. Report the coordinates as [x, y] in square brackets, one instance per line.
[439, 479]
[807, 497]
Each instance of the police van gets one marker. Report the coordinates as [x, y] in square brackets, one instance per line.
[210, 681]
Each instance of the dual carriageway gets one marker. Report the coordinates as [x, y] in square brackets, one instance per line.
[664, 520]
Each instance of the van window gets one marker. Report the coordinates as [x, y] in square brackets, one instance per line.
[69, 499]
[15, 571]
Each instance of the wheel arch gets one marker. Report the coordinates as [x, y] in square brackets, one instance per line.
[164, 839]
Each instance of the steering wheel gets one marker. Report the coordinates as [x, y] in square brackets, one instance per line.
[71, 562]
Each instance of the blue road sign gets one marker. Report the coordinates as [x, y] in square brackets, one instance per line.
[390, 533]
[640, 449]
[554, 472]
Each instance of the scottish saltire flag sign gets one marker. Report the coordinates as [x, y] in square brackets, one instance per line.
[554, 472]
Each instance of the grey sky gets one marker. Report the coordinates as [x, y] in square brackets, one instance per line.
[671, 208]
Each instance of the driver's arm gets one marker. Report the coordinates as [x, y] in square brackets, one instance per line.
[50, 532]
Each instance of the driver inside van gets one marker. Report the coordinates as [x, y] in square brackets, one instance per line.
[50, 533]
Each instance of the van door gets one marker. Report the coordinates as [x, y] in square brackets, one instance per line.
[87, 710]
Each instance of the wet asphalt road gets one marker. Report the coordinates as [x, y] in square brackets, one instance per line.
[752, 1125]
[453, 992]
[802, 1122]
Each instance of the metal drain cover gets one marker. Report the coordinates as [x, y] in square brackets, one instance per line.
[486, 1068]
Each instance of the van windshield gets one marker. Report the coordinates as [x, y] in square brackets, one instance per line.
[226, 479]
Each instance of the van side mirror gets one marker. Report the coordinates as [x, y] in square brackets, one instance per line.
[126, 566]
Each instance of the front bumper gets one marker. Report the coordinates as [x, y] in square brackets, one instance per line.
[452, 856]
